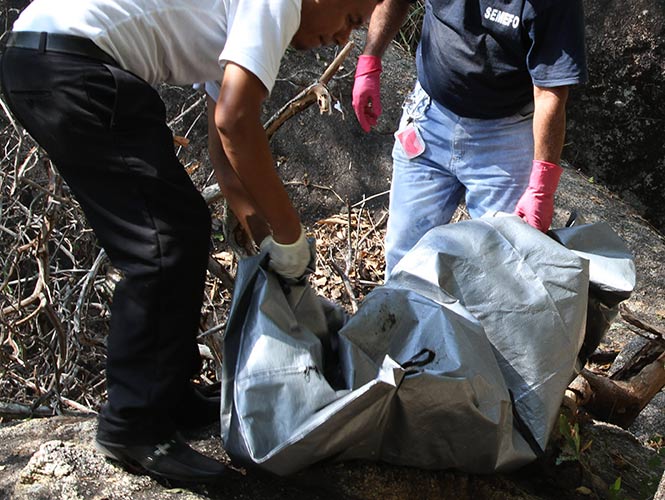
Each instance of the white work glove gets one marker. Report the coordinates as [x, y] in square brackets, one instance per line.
[289, 260]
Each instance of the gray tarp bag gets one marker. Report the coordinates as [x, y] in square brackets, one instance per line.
[611, 275]
[459, 361]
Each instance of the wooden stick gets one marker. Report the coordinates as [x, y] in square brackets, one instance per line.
[17, 410]
[219, 271]
[619, 399]
[629, 317]
[315, 92]
[346, 282]
[85, 289]
[620, 402]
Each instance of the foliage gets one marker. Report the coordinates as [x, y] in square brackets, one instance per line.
[614, 491]
[55, 286]
[572, 449]
[649, 476]
[51, 355]
[409, 34]
[655, 466]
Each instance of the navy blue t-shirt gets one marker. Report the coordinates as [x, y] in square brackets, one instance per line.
[481, 58]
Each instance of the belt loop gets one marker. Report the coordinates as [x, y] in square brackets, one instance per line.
[42, 41]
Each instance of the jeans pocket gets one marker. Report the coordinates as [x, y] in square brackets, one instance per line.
[415, 106]
[416, 103]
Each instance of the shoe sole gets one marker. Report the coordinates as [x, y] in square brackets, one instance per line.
[127, 463]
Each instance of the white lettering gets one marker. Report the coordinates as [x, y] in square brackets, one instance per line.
[501, 17]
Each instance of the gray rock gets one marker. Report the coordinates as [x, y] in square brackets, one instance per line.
[614, 453]
[650, 423]
[49, 459]
[332, 150]
[53, 459]
[627, 353]
[660, 494]
[616, 120]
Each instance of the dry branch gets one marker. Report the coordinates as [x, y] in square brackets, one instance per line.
[17, 410]
[220, 272]
[45, 249]
[316, 92]
[619, 399]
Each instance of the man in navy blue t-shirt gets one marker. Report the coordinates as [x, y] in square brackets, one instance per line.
[486, 119]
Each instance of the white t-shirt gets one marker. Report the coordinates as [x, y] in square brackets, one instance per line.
[176, 41]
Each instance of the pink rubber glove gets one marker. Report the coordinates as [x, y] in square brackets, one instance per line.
[367, 91]
[536, 206]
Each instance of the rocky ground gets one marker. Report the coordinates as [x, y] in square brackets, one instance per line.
[328, 164]
[51, 459]
[616, 119]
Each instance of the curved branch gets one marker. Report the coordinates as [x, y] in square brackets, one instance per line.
[316, 92]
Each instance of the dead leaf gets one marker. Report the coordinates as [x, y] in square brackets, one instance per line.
[192, 167]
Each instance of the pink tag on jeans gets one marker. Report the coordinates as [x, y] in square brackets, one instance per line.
[411, 141]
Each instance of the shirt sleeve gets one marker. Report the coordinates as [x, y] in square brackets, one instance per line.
[258, 35]
[557, 55]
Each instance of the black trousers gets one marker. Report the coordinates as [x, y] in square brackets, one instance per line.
[105, 130]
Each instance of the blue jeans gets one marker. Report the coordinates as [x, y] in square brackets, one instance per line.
[487, 161]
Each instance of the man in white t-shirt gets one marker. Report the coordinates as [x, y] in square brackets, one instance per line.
[78, 74]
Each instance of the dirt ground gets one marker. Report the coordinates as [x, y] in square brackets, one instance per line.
[329, 165]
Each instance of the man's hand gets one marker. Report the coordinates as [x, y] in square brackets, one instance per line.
[288, 260]
[536, 206]
[367, 91]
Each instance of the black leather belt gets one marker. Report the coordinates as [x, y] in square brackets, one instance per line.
[55, 42]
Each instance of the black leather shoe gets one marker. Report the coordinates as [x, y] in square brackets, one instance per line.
[199, 408]
[171, 459]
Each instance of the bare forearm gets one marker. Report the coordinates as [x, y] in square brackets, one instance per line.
[386, 21]
[248, 152]
[549, 123]
[238, 122]
[237, 197]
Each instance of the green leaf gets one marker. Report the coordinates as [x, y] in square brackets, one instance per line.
[563, 424]
[615, 490]
[617, 485]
